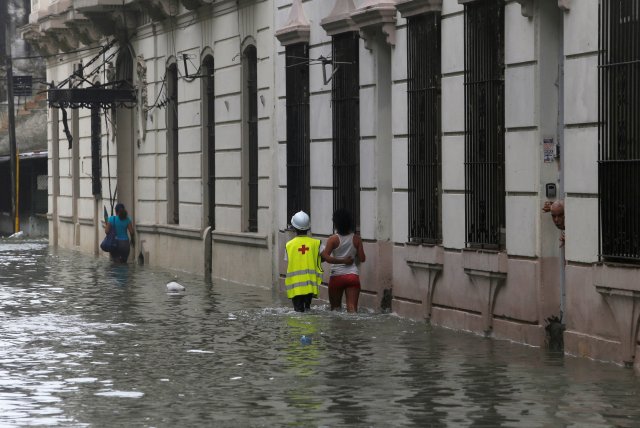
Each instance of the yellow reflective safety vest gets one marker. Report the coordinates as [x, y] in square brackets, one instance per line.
[304, 270]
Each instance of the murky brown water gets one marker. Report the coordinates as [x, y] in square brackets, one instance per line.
[87, 343]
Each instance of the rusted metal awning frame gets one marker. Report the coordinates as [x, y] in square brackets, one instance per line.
[103, 98]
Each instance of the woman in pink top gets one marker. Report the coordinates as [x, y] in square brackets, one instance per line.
[345, 278]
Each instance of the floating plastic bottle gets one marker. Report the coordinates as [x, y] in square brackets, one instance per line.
[305, 340]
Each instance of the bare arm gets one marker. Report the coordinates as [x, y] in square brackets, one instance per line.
[131, 231]
[357, 241]
[332, 244]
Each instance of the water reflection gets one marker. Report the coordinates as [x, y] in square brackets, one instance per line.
[87, 343]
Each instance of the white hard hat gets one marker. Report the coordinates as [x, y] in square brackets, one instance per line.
[300, 220]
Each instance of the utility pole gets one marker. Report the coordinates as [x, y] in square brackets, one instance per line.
[4, 25]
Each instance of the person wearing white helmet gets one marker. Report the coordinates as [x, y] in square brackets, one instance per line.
[304, 270]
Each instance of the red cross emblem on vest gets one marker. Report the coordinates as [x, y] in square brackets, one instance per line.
[303, 249]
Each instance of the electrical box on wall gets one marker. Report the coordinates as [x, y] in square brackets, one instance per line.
[550, 190]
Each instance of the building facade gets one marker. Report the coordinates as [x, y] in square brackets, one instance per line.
[443, 125]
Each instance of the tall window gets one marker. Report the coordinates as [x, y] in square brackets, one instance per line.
[210, 138]
[423, 67]
[345, 98]
[619, 157]
[484, 124]
[251, 148]
[96, 152]
[173, 191]
[298, 175]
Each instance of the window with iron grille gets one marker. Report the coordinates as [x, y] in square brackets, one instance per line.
[345, 100]
[173, 196]
[484, 124]
[298, 175]
[251, 76]
[210, 141]
[96, 152]
[619, 133]
[423, 80]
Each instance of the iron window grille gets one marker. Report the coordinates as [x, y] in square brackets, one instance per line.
[172, 145]
[484, 124]
[345, 100]
[298, 167]
[96, 152]
[209, 82]
[423, 68]
[251, 57]
[619, 130]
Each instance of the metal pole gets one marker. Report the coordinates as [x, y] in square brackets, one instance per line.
[12, 126]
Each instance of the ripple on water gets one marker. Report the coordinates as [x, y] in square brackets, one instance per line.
[84, 342]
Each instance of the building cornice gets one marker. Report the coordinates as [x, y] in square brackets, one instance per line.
[375, 15]
[408, 8]
[297, 29]
[339, 19]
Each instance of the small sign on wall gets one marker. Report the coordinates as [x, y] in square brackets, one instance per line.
[549, 150]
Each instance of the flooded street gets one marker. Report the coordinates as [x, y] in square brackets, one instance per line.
[87, 343]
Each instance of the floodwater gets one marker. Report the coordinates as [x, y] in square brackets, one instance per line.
[87, 343]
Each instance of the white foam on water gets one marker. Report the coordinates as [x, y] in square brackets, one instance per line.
[120, 394]
[235, 378]
[199, 351]
[81, 380]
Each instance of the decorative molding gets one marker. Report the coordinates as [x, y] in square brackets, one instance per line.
[194, 4]
[86, 222]
[374, 15]
[31, 34]
[65, 219]
[408, 8]
[143, 110]
[159, 10]
[246, 239]
[619, 285]
[433, 271]
[488, 272]
[339, 19]
[170, 230]
[297, 29]
[526, 8]
[109, 17]
[83, 30]
[60, 7]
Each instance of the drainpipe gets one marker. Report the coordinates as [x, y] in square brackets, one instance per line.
[561, 160]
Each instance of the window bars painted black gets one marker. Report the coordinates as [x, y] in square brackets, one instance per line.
[173, 194]
[423, 68]
[96, 152]
[484, 124]
[298, 168]
[251, 57]
[345, 99]
[619, 130]
[210, 141]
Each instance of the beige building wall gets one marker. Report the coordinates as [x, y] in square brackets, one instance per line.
[134, 148]
[551, 81]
